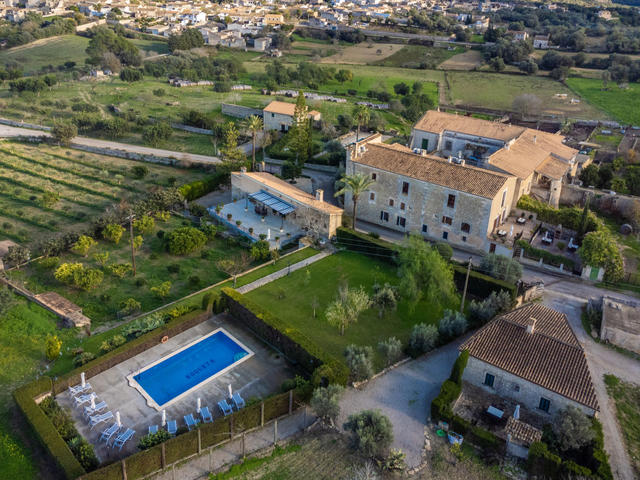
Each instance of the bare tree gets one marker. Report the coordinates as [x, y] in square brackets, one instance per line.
[234, 266]
[527, 105]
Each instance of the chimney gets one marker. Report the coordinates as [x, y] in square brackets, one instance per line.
[531, 326]
[320, 195]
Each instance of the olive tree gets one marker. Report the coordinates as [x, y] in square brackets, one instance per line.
[325, 403]
[372, 433]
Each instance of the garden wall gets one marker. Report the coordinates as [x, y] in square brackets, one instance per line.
[293, 344]
[238, 111]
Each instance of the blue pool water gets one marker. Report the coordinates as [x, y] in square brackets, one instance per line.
[190, 367]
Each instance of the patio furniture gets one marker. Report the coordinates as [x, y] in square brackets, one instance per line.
[82, 399]
[172, 427]
[225, 408]
[153, 429]
[502, 233]
[495, 411]
[206, 415]
[98, 419]
[89, 410]
[107, 433]
[190, 421]
[77, 389]
[521, 220]
[123, 438]
[572, 246]
[238, 401]
[455, 438]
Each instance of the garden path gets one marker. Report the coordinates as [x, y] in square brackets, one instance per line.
[281, 273]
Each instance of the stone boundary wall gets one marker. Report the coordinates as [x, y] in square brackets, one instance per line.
[189, 128]
[13, 123]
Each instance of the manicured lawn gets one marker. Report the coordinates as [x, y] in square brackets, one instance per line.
[23, 332]
[413, 56]
[290, 298]
[627, 400]
[86, 184]
[494, 90]
[621, 104]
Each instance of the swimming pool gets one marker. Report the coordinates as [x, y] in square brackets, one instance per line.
[175, 375]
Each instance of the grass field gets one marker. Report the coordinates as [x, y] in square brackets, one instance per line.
[627, 399]
[363, 53]
[414, 56]
[498, 91]
[23, 332]
[55, 51]
[196, 271]
[622, 105]
[463, 61]
[321, 280]
[86, 184]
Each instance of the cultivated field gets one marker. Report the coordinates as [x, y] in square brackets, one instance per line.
[418, 56]
[363, 53]
[463, 61]
[55, 51]
[497, 91]
[622, 104]
[86, 185]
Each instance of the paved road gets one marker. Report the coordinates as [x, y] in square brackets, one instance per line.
[8, 131]
[569, 297]
[404, 395]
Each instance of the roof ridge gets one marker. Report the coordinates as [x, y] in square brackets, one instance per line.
[537, 332]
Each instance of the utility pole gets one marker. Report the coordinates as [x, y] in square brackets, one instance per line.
[466, 283]
[133, 255]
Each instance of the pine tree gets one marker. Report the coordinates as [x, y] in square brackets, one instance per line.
[300, 134]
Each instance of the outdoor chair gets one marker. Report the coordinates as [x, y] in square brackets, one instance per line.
[153, 429]
[206, 415]
[89, 411]
[98, 419]
[107, 433]
[77, 389]
[82, 399]
[238, 401]
[190, 421]
[225, 408]
[122, 439]
[172, 427]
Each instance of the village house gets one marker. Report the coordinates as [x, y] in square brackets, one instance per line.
[273, 19]
[531, 356]
[539, 160]
[279, 116]
[437, 197]
[541, 42]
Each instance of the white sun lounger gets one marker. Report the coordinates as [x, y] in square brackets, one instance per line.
[109, 432]
[88, 411]
[123, 438]
[82, 399]
[75, 390]
[98, 419]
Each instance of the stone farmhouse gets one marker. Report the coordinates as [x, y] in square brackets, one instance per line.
[540, 161]
[279, 116]
[441, 199]
[531, 356]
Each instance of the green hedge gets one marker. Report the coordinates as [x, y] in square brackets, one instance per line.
[458, 367]
[143, 463]
[441, 405]
[366, 244]
[43, 427]
[570, 217]
[112, 471]
[215, 432]
[181, 446]
[290, 341]
[130, 349]
[480, 285]
[548, 257]
[199, 188]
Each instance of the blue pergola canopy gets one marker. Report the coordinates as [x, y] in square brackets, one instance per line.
[273, 202]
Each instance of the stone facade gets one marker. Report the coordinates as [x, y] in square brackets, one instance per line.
[450, 143]
[426, 208]
[526, 393]
[277, 121]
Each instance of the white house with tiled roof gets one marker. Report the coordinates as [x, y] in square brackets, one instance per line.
[279, 115]
[439, 198]
[531, 355]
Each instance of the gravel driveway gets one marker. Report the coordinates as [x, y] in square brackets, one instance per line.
[404, 395]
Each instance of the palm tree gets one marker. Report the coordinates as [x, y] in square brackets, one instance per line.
[357, 184]
[362, 116]
[254, 125]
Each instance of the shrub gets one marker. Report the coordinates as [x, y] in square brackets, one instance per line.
[143, 325]
[441, 405]
[140, 171]
[186, 240]
[162, 290]
[458, 367]
[83, 245]
[445, 250]
[573, 429]
[452, 324]
[501, 267]
[325, 402]
[144, 225]
[113, 342]
[360, 361]
[423, 339]
[153, 439]
[495, 304]
[113, 232]
[173, 268]
[391, 350]
[120, 269]
[260, 250]
[83, 358]
[372, 433]
[53, 346]
[179, 311]
[129, 306]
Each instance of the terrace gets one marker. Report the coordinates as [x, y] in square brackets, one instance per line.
[256, 220]
[258, 376]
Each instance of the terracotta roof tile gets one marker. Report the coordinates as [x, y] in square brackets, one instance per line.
[522, 433]
[434, 121]
[430, 169]
[285, 108]
[550, 356]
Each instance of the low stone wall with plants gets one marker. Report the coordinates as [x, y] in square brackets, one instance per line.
[293, 344]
